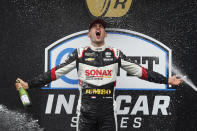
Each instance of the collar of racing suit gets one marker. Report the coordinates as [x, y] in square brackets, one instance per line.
[101, 48]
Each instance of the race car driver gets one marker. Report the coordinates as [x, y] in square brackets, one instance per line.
[97, 66]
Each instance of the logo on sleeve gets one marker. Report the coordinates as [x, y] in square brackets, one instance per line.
[89, 59]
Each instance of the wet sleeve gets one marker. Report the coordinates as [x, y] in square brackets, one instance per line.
[139, 71]
[55, 73]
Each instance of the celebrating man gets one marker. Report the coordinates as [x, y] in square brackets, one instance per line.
[97, 66]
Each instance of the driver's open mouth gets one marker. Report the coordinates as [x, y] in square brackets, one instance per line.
[98, 33]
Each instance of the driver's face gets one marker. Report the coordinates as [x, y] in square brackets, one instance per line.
[97, 33]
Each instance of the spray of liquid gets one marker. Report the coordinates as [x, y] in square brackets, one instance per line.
[16, 121]
[175, 70]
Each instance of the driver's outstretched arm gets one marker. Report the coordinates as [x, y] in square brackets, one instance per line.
[55, 72]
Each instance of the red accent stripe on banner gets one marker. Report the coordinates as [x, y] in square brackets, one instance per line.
[53, 76]
[144, 74]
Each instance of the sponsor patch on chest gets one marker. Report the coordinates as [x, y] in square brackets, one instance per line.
[108, 54]
[98, 74]
[89, 59]
[89, 54]
[108, 59]
[98, 91]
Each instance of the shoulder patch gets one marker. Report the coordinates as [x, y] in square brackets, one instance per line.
[81, 51]
[115, 51]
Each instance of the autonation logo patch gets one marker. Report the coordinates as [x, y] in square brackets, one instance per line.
[141, 49]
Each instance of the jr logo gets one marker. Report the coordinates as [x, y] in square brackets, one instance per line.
[142, 50]
[108, 8]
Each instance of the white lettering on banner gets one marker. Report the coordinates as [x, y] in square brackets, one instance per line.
[141, 105]
[142, 100]
[144, 108]
[68, 106]
[163, 107]
[123, 123]
[119, 99]
[73, 122]
[137, 122]
[61, 101]
[123, 107]
[49, 104]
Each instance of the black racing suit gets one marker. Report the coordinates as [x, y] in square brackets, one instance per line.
[97, 69]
